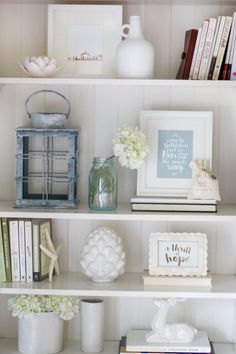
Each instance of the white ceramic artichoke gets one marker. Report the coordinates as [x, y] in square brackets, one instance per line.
[102, 257]
[41, 66]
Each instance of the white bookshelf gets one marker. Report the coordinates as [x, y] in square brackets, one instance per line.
[160, 2]
[128, 285]
[115, 82]
[9, 346]
[99, 106]
[225, 213]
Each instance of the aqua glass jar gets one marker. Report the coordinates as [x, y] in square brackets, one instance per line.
[102, 184]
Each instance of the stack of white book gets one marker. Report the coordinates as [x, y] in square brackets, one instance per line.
[141, 203]
[136, 343]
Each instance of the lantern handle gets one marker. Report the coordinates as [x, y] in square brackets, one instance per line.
[50, 91]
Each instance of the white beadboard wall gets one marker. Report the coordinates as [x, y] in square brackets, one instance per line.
[98, 111]
[23, 28]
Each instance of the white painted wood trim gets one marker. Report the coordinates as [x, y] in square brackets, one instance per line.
[129, 285]
[9, 345]
[226, 212]
[116, 82]
[160, 2]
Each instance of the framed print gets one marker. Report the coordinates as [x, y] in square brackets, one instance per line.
[84, 38]
[174, 138]
[178, 254]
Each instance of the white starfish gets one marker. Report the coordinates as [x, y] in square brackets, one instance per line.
[52, 253]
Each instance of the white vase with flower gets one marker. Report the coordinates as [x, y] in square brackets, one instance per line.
[41, 321]
[130, 147]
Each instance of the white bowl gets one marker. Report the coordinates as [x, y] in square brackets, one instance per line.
[41, 66]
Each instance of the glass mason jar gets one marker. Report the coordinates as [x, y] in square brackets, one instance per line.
[102, 184]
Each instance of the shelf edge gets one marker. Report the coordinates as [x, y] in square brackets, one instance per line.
[116, 82]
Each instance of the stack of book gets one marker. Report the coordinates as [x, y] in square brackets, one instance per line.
[210, 51]
[21, 258]
[135, 343]
[172, 204]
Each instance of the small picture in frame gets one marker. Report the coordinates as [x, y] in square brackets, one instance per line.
[178, 254]
[83, 38]
[175, 138]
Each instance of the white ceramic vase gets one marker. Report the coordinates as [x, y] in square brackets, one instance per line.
[42, 334]
[134, 55]
[92, 325]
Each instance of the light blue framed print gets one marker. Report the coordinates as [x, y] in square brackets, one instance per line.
[175, 138]
[174, 153]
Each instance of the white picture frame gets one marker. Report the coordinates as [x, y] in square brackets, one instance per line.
[174, 138]
[84, 38]
[181, 254]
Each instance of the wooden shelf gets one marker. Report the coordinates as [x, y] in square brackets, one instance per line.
[115, 82]
[226, 212]
[128, 285]
[9, 346]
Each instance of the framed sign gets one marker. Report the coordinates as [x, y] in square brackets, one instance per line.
[84, 38]
[178, 254]
[174, 138]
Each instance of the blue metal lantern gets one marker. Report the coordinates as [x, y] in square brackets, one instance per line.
[46, 167]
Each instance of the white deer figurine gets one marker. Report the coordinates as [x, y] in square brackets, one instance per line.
[163, 332]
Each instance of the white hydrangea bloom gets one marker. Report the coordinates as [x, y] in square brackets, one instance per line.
[24, 306]
[130, 146]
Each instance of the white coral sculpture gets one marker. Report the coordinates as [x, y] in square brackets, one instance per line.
[103, 258]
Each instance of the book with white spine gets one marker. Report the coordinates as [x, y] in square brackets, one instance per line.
[15, 251]
[216, 47]
[207, 48]
[36, 249]
[166, 200]
[22, 250]
[232, 57]
[141, 203]
[222, 48]
[28, 251]
[230, 48]
[211, 208]
[213, 46]
[2, 260]
[200, 49]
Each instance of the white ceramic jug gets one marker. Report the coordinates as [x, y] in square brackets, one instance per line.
[134, 55]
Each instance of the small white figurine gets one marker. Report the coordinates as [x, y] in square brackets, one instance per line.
[52, 253]
[163, 332]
